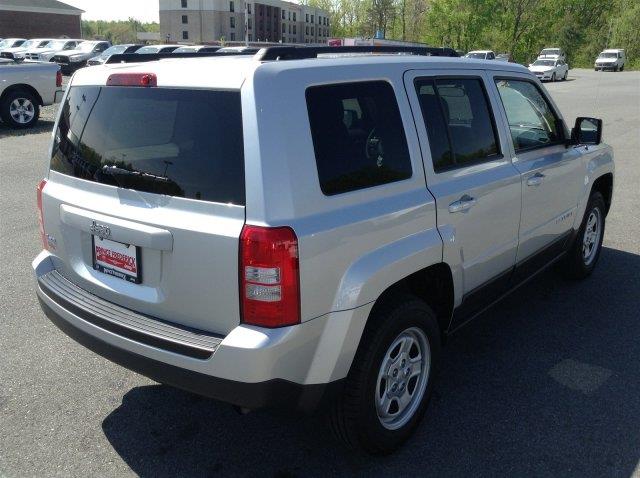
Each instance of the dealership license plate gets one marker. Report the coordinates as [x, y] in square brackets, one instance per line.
[117, 259]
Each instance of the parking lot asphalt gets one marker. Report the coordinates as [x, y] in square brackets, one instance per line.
[547, 383]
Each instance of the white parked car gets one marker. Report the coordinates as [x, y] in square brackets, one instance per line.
[24, 88]
[553, 53]
[18, 52]
[9, 43]
[612, 59]
[550, 69]
[152, 49]
[47, 51]
[481, 55]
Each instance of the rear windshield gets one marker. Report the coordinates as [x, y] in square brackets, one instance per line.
[177, 142]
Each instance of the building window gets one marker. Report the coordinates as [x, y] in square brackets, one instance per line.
[185, 35]
[284, 14]
[232, 22]
[294, 29]
[306, 30]
[289, 29]
[184, 3]
[306, 19]
[249, 8]
[311, 18]
[294, 16]
[289, 14]
[284, 28]
[185, 19]
[248, 23]
[312, 30]
[232, 7]
[232, 36]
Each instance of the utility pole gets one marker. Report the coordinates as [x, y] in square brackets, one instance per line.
[201, 37]
[246, 23]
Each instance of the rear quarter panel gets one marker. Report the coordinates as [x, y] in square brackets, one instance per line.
[40, 76]
[354, 245]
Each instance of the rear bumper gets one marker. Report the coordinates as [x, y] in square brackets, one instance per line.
[300, 367]
[276, 393]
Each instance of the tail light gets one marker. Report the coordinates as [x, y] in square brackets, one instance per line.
[58, 79]
[269, 276]
[39, 190]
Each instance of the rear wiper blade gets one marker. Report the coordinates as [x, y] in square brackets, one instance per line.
[116, 171]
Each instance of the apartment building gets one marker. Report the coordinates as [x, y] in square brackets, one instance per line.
[198, 21]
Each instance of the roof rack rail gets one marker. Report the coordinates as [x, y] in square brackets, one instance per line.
[274, 53]
[305, 52]
[141, 58]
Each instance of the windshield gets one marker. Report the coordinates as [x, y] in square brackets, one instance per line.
[476, 55]
[186, 49]
[56, 45]
[543, 63]
[28, 44]
[148, 49]
[86, 46]
[114, 50]
[550, 51]
[608, 55]
[176, 142]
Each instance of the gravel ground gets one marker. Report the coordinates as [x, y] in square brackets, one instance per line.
[545, 384]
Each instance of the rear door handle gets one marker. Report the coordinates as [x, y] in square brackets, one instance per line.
[535, 180]
[465, 203]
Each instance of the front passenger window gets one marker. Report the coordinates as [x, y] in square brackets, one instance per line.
[532, 122]
[459, 122]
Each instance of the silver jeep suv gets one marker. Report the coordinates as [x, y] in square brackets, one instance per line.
[300, 230]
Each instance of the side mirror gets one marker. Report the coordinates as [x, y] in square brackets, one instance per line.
[587, 131]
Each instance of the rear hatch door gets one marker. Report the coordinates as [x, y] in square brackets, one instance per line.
[145, 200]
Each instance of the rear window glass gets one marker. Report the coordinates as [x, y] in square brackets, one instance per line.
[176, 142]
[358, 137]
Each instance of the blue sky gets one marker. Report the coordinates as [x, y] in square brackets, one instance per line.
[143, 10]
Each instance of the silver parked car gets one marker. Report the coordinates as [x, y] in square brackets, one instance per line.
[195, 234]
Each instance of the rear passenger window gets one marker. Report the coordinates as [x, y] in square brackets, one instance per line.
[459, 123]
[358, 137]
[532, 122]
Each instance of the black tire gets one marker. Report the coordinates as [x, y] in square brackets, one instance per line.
[354, 416]
[553, 78]
[566, 74]
[622, 68]
[25, 98]
[575, 265]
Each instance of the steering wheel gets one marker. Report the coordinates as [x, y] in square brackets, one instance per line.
[373, 148]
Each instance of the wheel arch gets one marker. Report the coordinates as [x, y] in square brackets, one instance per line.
[433, 284]
[22, 87]
[604, 185]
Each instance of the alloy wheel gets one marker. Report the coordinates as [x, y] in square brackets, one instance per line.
[402, 378]
[22, 110]
[591, 237]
